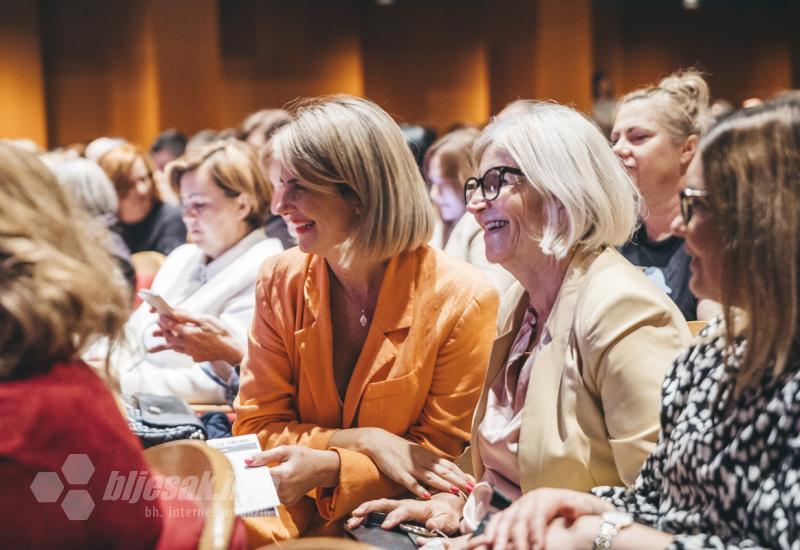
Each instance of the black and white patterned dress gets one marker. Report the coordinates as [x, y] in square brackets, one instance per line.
[718, 479]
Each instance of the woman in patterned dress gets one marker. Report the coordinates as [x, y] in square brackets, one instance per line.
[726, 469]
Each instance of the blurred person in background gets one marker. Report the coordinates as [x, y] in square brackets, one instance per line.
[57, 294]
[91, 189]
[148, 223]
[447, 165]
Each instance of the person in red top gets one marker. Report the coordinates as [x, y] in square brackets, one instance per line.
[64, 446]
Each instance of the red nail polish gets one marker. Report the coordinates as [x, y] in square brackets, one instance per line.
[426, 495]
[453, 490]
[248, 460]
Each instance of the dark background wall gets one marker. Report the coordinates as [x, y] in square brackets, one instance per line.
[74, 70]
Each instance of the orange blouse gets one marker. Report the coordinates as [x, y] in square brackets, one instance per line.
[419, 373]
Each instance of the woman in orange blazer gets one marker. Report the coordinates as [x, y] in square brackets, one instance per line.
[368, 348]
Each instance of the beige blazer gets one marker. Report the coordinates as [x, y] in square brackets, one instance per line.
[591, 414]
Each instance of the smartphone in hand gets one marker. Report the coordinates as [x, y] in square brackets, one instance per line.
[157, 303]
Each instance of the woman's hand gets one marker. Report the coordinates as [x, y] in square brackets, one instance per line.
[202, 337]
[525, 523]
[299, 470]
[406, 463]
[442, 512]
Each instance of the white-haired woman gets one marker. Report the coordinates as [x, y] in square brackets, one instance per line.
[571, 394]
[368, 348]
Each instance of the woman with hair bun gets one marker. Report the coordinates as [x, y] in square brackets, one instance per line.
[655, 134]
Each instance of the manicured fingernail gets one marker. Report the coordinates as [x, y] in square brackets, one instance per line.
[426, 495]
[248, 461]
[454, 490]
[470, 486]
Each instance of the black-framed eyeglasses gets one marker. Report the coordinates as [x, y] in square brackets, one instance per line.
[687, 197]
[490, 183]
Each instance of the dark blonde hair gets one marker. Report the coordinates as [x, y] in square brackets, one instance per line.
[118, 165]
[233, 167]
[455, 155]
[751, 170]
[348, 145]
[57, 286]
[684, 97]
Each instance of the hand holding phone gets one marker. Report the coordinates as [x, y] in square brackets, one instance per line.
[157, 303]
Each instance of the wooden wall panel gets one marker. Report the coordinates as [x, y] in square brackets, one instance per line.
[22, 95]
[133, 67]
[747, 49]
[425, 62]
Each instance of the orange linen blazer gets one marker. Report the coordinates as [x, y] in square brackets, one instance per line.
[591, 413]
[419, 374]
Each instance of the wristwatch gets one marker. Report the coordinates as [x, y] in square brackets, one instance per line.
[611, 523]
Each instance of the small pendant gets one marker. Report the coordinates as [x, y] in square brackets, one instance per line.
[363, 319]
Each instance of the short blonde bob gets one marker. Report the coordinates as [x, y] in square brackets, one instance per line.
[348, 145]
[233, 166]
[589, 199]
[57, 285]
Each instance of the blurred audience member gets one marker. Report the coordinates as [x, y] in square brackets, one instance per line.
[447, 165]
[168, 146]
[604, 104]
[100, 146]
[418, 139]
[724, 473]
[720, 108]
[57, 293]
[201, 139]
[90, 187]
[258, 127]
[147, 222]
[655, 135]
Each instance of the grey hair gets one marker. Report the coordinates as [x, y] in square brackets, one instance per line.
[88, 185]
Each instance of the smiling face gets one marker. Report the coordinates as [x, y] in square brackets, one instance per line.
[512, 222]
[214, 221]
[653, 159]
[446, 193]
[321, 221]
[703, 243]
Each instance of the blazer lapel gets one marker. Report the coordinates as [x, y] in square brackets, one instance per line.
[546, 373]
[507, 332]
[394, 312]
[314, 341]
